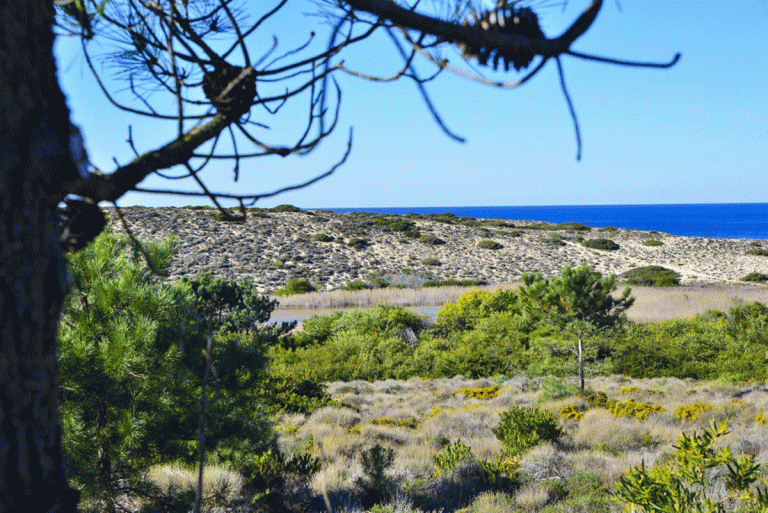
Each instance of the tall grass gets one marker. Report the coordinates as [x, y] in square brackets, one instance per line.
[652, 304]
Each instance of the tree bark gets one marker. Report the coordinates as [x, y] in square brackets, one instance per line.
[35, 167]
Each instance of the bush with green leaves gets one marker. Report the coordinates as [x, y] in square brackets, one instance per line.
[322, 237]
[688, 481]
[602, 244]
[756, 277]
[377, 486]
[521, 428]
[430, 261]
[370, 344]
[358, 243]
[131, 371]
[450, 456]
[286, 208]
[732, 343]
[431, 239]
[652, 243]
[652, 276]
[757, 252]
[489, 244]
[296, 286]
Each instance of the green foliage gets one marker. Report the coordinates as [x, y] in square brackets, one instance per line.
[480, 393]
[358, 243]
[692, 412]
[634, 409]
[369, 344]
[708, 346]
[757, 252]
[372, 281]
[284, 394]
[756, 277]
[465, 312]
[521, 428]
[286, 208]
[377, 486]
[229, 305]
[130, 370]
[578, 303]
[685, 482]
[322, 237]
[553, 240]
[433, 240]
[430, 261]
[562, 226]
[652, 276]
[296, 286]
[603, 244]
[572, 412]
[489, 244]
[450, 456]
[652, 242]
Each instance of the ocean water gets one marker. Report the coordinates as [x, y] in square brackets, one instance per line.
[728, 220]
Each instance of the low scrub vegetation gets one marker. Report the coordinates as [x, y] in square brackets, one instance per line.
[296, 286]
[757, 252]
[652, 243]
[489, 244]
[652, 276]
[756, 277]
[602, 244]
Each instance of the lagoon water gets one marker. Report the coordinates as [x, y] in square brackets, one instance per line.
[728, 220]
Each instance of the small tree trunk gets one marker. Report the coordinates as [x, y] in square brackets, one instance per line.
[34, 168]
[581, 363]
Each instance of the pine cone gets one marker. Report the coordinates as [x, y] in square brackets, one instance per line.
[239, 99]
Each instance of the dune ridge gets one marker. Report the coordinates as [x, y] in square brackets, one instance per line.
[275, 246]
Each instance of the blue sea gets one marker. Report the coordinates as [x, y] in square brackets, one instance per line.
[728, 220]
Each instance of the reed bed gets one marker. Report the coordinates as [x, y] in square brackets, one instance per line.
[651, 304]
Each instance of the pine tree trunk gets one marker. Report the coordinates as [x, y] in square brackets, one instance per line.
[581, 364]
[34, 166]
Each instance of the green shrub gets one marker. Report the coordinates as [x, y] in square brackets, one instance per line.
[296, 286]
[597, 399]
[489, 244]
[377, 486]
[686, 483]
[450, 456]
[521, 428]
[431, 239]
[632, 408]
[482, 393]
[572, 412]
[430, 261]
[757, 252]
[356, 285]
[692, 412]
[756, 277]
[322, 237]
[357, 243]
[562, 226]
[608, 229]
[553, 240]
[652, 276]
[652, 242]
[602, 244]
[286, 208]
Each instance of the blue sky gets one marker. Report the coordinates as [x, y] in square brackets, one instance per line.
[695, 133]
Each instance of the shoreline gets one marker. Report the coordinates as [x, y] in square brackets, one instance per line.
[274, 246]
